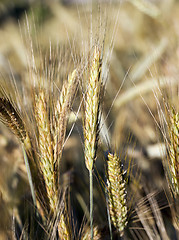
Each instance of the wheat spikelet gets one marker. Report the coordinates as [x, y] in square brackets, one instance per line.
[91, 117]
[45, 148]
[116, 193]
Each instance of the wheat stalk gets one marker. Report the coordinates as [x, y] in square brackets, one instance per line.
[91, 120]
[116, 193]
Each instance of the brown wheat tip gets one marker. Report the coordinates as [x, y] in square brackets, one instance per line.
[116, 193]
[10, 117]
[174, 151]
[91, 115]
[45, 148]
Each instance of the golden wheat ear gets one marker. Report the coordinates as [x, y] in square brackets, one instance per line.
[62, 109]
[172, 163]
[116, 193]
[45, 147]
[174, 151]
[91, 110]
[10, 117]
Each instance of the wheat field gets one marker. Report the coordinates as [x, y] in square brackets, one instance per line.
[89, 120]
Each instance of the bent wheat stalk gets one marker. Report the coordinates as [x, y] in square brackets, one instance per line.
[13, 120]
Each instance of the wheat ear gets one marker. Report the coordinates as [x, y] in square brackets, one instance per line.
[174, 151]
[62, 109]
[92, 102]
[172, 166]
[46, 148]
[116, 193]
[11, 119]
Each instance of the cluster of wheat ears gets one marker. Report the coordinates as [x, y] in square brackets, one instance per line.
[39, 117]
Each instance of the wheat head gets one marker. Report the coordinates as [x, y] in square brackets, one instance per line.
[116, 193]
[92, 102]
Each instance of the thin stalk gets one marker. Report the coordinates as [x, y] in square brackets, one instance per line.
[108, 215]
[29, 175]
[91, 202]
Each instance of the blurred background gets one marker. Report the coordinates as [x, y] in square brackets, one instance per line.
[145, 53]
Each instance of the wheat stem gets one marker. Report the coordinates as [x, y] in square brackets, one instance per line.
[108, 215]
[29, 176]
[91, 121]
[91, 202]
